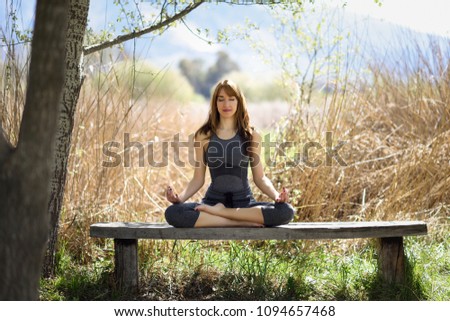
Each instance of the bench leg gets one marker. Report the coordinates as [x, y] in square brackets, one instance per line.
[126, 264]
[391, 259]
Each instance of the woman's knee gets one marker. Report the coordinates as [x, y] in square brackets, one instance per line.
[179, 215]
[171, 213]
[281, 213]
[286, 212]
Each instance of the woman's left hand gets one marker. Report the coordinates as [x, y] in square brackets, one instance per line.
[172, 196]
[283, 197]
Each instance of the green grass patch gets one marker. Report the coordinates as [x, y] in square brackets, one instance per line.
[258, 270]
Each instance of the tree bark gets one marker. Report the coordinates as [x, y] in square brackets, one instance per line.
[78, 13]
[25, 171]
[5, 147]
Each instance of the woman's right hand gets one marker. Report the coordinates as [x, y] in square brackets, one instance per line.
[172, 196]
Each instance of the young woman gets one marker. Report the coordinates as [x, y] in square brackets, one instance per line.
[228, 145]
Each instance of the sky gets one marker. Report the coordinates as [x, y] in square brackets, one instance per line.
[429, 16]
[420, 15]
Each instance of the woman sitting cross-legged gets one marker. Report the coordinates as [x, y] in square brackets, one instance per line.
[228, 146]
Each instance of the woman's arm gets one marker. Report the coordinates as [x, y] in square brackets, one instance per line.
[197, 180]
[260, 179]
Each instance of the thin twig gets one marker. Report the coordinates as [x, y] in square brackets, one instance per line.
[374, 160]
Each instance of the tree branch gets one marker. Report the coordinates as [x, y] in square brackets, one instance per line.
[122, 38]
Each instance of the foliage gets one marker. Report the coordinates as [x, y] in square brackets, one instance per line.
[12, 33]
[311, 49]
[146, 80]
[142, 79]
[203, 80]
[259, 90]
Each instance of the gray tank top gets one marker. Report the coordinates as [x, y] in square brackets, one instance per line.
[228, 164]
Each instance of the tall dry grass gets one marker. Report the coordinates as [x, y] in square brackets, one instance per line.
[13, 74]
[395, 125]
[110, 111]
[396, 131]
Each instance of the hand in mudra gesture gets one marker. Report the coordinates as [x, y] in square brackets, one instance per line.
[172, 196]
[283, 197]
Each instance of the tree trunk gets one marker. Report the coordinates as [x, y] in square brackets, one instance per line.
[77, 23]
[25, 171]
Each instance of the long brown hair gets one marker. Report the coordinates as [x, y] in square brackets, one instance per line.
[242, 117]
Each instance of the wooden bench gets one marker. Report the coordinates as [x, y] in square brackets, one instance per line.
[390, 234]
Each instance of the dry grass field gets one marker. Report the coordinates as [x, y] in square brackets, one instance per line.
[391, 131]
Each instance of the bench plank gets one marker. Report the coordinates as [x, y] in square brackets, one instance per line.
[291, 231]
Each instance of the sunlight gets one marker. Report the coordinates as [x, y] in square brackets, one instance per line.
[428, 16]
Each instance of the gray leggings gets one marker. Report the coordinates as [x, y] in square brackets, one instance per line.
[184, 214]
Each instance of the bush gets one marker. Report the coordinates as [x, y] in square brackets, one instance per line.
[146, 81]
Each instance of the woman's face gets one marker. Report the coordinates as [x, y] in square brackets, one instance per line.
[226, 105]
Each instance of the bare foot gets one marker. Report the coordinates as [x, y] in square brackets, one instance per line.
[215, 210]
[218, 210]
[250, 224]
